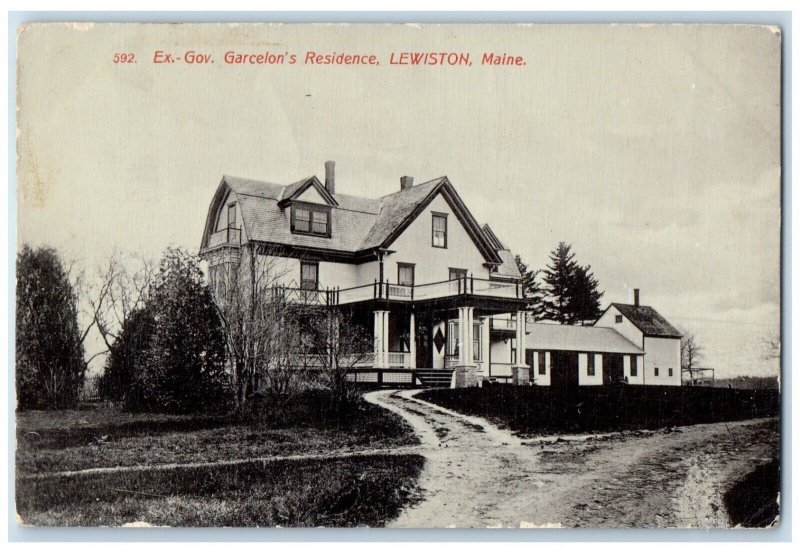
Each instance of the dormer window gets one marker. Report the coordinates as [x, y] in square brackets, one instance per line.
[311, 219]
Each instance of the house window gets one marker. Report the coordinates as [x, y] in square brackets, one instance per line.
[669, 371]
[456, 274]
[618, 319]
[314, 220]
[513, 351]
[405, 274]
[542, 362]
[634, 365]
[590, 364]
[655, 371]
[309, 275]
[319, 223]
[232, 216]
[439, 239]
[476, 341]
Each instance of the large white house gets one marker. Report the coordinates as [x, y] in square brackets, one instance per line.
[440, 293]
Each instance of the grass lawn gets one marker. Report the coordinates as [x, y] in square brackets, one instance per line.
[106, 437]
[356, 491]
[532, 410]
[361, 491]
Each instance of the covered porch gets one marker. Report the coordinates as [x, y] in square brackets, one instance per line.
[452, 336]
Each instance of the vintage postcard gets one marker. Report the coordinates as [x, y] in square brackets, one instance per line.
[398, 275]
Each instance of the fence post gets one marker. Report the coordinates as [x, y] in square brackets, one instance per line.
[472, 284]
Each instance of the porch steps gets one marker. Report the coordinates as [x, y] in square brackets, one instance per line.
[435, 378]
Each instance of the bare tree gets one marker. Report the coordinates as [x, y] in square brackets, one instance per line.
[342, 345]
[247, 293]
[691, 351]
[108, 295]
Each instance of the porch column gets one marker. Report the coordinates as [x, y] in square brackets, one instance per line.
[412, 341]
[486, 344]
[521, 372]
[469, 336]
[381, 333]
[465, 373]
[462, 325]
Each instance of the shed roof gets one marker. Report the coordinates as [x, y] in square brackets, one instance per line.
[552, 337]
[648, 320]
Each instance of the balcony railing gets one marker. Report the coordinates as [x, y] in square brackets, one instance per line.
[407, 292]
[402, 292]
[226, 237]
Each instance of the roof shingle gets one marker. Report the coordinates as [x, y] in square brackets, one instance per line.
[357, 223]
[648, 320]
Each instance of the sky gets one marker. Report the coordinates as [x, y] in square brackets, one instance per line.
[653, 150]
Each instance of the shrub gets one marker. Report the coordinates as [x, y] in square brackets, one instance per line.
[183, 369]
[50, 367]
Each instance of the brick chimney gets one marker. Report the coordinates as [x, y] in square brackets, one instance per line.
[636, 297]
[406, 183]
[330, 177]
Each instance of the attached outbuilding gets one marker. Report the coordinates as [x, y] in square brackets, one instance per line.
[566, 356]
[648, 329]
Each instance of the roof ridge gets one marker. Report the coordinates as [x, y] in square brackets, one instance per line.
[420, 185]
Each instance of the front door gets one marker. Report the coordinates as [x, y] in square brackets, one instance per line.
[424, 336]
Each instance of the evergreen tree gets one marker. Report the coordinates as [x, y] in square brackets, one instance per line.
[571, 290]
[558, 280]
[585, 297]
[184, 363]
[49, 368]
[532, 289]
[127, 354]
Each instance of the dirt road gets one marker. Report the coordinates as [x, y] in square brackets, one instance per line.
[478, 475]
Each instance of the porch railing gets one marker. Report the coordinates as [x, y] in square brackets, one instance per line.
[408, 293]
[503, 324]
[398, 359]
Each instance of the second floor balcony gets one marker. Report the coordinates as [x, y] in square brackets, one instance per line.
[230, 236]
[385, 291]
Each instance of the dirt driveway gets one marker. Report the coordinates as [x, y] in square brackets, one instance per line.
[478, 475]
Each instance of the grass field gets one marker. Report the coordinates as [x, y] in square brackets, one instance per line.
[354, 491]
[359, 491]
[544, 409]
[106, 437]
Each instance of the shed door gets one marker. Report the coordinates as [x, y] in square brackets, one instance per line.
[564, 369]
[613, 369]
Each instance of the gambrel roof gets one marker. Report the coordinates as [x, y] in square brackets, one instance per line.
[358, 225]
[648, 320]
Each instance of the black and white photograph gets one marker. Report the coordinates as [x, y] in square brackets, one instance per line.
[398, 275]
